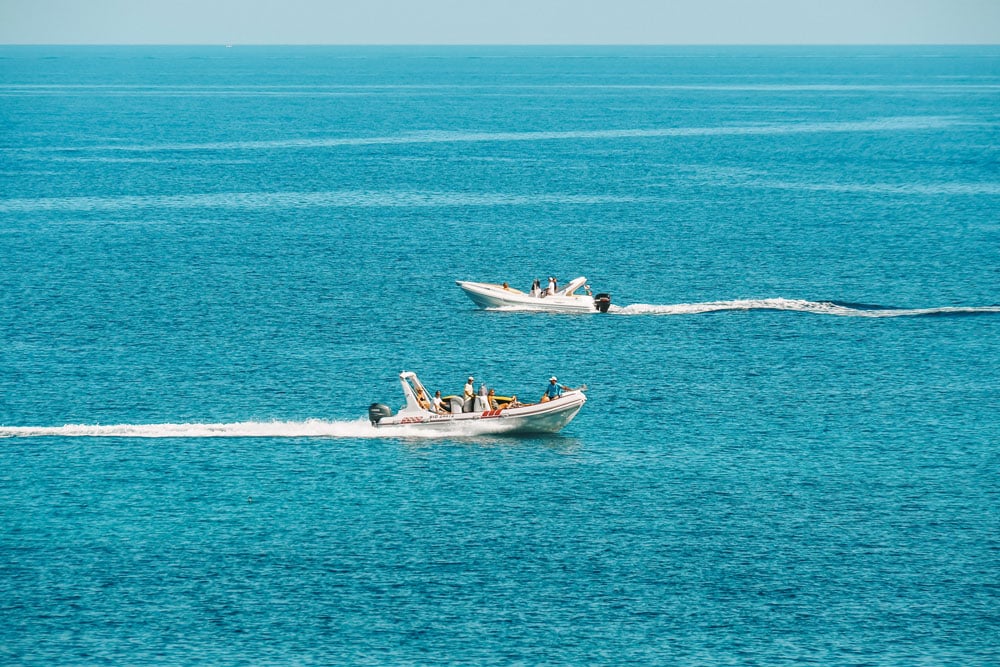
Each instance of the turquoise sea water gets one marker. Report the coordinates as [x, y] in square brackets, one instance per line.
[212, 260]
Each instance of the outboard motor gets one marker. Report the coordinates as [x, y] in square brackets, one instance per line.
[376, 411]
[602, 302]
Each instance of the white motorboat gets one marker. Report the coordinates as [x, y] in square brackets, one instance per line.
[470, 418]
[491, 295]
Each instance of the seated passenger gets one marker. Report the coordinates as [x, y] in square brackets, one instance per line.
[554, 390]
[422, 399]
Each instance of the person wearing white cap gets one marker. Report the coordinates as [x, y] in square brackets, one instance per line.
[554, 390]
[468, 395]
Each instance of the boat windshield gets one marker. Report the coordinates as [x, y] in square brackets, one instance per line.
[417, 396]
[573, 286]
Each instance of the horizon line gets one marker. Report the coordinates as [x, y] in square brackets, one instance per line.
[504, 44]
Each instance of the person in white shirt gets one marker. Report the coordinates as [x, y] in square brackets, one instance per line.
[439, 403]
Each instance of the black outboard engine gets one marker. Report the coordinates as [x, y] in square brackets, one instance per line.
[602, 302]
[376, 411]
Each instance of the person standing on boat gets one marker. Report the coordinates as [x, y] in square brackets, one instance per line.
[482, 400]
[468, 395]
[554, 390]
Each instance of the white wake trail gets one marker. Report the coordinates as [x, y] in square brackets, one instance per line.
[797, 305]
[312, 428]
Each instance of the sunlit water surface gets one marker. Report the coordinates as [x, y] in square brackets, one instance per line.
[212, 260]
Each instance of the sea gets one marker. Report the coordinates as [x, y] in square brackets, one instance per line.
[214, 259]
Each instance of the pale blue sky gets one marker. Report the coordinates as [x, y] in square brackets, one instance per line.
[500, 22]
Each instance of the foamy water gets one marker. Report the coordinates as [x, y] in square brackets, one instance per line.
[791, 305]
[252, 201]
[359, 428]
[877, 124]
[312, 428]
[795, 305]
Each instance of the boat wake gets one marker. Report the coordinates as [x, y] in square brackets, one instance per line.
[312, 428]
[801, 306]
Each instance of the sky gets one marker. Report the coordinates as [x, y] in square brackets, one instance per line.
[499, 22]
